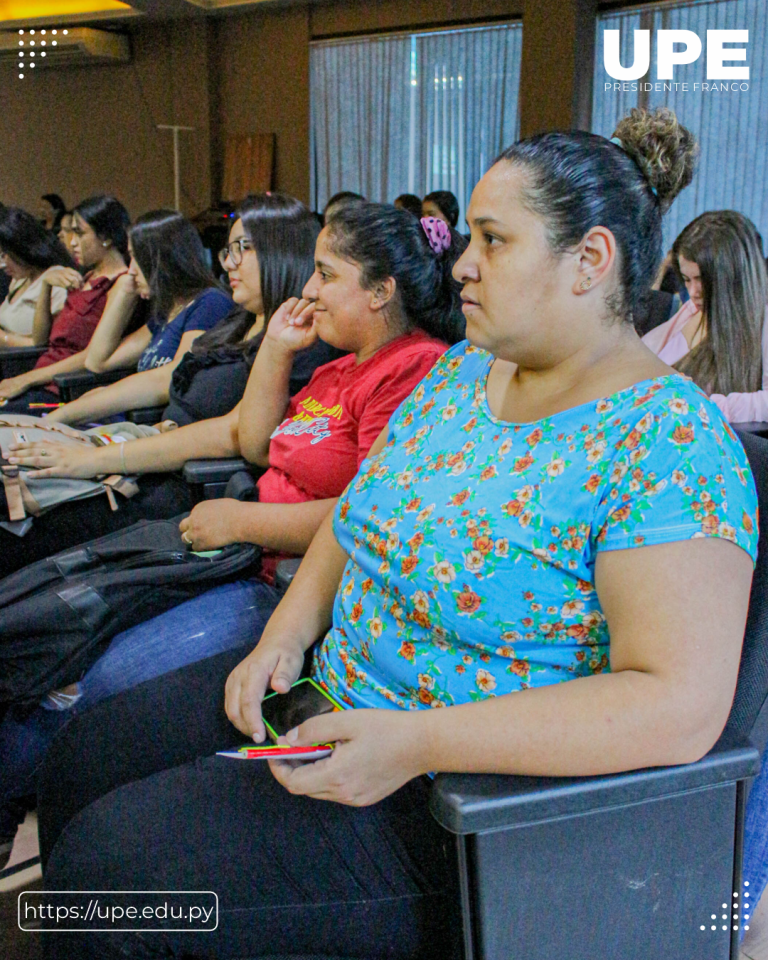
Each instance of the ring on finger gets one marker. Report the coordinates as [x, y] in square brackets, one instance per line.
[185, 538]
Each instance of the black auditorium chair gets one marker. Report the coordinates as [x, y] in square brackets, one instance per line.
[74, 385]
[757, 427]
[225, 477]
[17, 360]
[628, 866]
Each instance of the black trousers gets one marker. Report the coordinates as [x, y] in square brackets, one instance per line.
[293, 875]
[160, 497]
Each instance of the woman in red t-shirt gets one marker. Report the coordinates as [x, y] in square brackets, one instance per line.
[99, 246]
[382, 290]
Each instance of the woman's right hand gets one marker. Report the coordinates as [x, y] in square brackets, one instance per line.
[125, 286]
[275, 662]
[63, 277]
[292, 325]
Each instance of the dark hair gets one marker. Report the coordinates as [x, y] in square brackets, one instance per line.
[283, 234]
[108, 219]
[446, 202]
[170, 253]
[25, 238]
[727, 249]
[409, 202]
[575, 181]
[58, 205]
[340, 199]
[386, 241]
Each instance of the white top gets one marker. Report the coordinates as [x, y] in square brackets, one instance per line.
[17, 317]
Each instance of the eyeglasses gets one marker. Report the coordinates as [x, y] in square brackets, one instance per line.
[234, 251]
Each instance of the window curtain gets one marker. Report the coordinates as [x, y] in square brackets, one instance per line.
[412, 114]
[732, 127]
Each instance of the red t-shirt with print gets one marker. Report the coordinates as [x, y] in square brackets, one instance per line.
[331, 424]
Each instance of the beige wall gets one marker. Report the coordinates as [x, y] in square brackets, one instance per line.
[85, 130]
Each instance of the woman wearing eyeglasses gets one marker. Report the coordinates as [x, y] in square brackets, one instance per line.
[169, 270]
[270, 258]
[381, 290]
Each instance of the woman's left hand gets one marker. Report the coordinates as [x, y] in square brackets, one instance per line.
[13, 387]
[56, 459]
[213, 524]
[376, 752]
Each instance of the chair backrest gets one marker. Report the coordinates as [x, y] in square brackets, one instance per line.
[749, 713]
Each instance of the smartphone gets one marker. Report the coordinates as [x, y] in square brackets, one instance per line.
[282, 712]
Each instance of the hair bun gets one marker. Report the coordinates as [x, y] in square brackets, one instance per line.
[662, 147]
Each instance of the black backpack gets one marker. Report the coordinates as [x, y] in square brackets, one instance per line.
[58, 615]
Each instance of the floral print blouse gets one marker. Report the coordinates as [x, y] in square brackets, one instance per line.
[473, 541]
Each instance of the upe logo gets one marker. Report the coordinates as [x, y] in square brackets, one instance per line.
[667, 56]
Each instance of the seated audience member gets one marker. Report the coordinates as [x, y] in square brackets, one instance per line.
[382, 289]
[52, 210]
[65, 229]
[27, 251]
[443, 205]
[269, 258]
[100, 246]
[520, 525]
[411, 203]
[169, 269]
[719, 336]
[339, 200]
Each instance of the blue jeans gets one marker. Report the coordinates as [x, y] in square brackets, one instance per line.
[755, 869]
[229, 616]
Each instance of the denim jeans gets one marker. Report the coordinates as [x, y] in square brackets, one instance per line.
[229, 616]
[755, 868]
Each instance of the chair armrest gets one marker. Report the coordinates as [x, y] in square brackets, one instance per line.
[146, 415]
[285, 571]
[213, 471]
[17, 360]
[758, 427]
[467, 803]
[75, 384]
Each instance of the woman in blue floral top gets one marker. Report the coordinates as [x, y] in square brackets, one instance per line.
[552, 503]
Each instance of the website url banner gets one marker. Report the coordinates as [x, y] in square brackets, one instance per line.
[112, 911]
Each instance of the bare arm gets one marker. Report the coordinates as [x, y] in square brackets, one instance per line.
[15, 386]
[158, 454]
[43, 319]
[8, 339]
[107, 350]
[64, 277]
[302, 616]
[267, 392]
[287, 527]
[149, 388]
[676, 614]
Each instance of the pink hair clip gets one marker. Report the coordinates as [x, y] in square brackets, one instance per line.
[438, 233]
